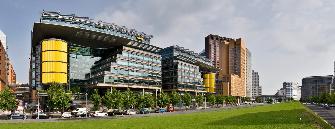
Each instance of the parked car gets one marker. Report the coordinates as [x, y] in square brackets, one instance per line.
[247, 102]
[170, 108]
[130, 112]
[160, 110]
[17, 116]
[99, 114]
[111, 112]
[119, 112]
[67, 115]
[42, 115]
[144, 111]
[79, 112]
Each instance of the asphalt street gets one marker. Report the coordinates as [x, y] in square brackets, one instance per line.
[327, 115]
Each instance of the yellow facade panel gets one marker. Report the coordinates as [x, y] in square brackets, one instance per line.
[211, 89]
[54, 67]
[54, 77]
[54, 44]
[211, 75]
[54, 56]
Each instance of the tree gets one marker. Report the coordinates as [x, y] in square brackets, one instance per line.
[129, 99]
[269, 100]
[187, 99]
[280, 99]
[145, 101]
[118, 99]
[332, 98]
[315, 99]
[175, 98]
[163, 100]
[219, 100]
[57, 97]
[108, 100]
[7, 100]
[95, 97]
[258, 99]
[246, 99]
[76, 91]
[211, 99]
[230, 99]
[199, 99]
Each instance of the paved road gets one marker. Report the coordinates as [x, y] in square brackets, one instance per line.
[127, 116]
[328, 115]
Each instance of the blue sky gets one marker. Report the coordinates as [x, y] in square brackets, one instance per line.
[289, 39]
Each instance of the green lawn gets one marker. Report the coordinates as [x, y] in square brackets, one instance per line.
[284, 115]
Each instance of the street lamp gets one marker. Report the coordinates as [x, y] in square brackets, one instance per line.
[38, 105]
[86, 103]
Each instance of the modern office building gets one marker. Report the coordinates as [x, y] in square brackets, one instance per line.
[186, 71]
[315, 86]
[249, 75]
[291, 90]
[76, 50]
[230, 56]
[256, 88]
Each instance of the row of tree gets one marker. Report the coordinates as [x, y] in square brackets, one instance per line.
[323, 98]
[129, 99]
[60, 99]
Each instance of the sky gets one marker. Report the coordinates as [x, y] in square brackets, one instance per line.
[289, 39]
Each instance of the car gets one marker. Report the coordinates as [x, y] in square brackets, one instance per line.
[130, 112]
[79, 112]
[67, 115]
[17, 116]
[99, 114]
[247, 102]
[144, 111]
[118, 112]
[41, 115]
[160, 110]
[170, 108]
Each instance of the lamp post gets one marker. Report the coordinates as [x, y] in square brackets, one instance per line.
[86, 103]
[38, 105]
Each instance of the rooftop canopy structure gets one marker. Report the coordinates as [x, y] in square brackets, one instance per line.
[87, 31]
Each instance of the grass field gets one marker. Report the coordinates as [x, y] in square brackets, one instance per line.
[276, 116]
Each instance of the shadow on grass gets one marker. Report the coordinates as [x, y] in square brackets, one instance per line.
[265, 118]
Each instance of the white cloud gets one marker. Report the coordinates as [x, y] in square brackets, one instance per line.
[289, 39]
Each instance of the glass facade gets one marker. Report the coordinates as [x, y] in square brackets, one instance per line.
[128, 67]
[182, 69]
